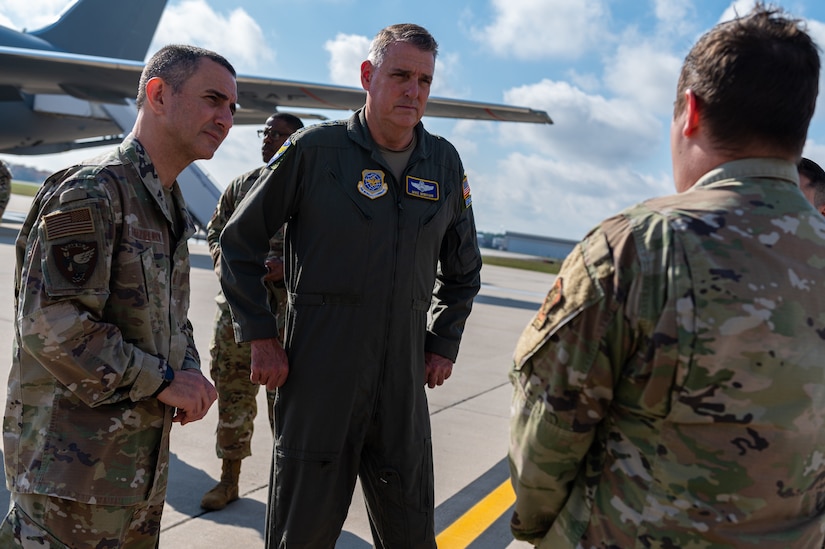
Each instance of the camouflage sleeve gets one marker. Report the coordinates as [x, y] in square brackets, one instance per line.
[563, 375]
[223, 211]
[64, 283]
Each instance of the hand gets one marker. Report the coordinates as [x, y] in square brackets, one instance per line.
[191, 393]
[274, 269]
[437, 369]
[270, 365]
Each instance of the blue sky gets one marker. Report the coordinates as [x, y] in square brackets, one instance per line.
[604, 70]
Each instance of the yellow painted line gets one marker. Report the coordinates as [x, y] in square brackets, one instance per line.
[481, 516]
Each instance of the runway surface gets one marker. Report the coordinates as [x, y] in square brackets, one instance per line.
[470, 417]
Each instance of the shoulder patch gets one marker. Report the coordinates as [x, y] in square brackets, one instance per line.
[68, 223]
[75, 261]
[465, 185]
[273, 162]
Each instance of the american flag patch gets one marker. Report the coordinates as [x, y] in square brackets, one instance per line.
[468, 199]
[71, 223]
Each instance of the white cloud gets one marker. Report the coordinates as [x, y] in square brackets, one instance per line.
[589, 128]
[346, 53]
[540, 195]
[737, 9]
[644, 73]
[538, 29]
[235, 36]
[31, 14]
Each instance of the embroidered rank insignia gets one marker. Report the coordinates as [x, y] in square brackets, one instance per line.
[372, 184]
[468, 198]
[422, 188]
[76, 261]
[70, 223]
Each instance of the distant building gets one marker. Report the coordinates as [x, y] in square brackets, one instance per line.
[530, 244]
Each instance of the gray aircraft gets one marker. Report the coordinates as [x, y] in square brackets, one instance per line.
[63, 87]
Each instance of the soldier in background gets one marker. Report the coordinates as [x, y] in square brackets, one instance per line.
[230, 369]
[812, 183]
[104, 356]
[669, 391]
[5, 187]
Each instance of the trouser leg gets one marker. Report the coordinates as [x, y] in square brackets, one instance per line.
[237, 406]
[396, 473]
[309, 501]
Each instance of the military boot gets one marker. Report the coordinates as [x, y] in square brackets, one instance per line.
[227, 489]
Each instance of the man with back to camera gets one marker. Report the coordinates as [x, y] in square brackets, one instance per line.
[380, 233]
[812, 183]
[229, 367]
[104, 358]
[670, 391]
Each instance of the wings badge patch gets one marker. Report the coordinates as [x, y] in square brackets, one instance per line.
[422, 188]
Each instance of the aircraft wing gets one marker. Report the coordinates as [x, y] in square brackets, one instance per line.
[261, 97]
[107, 80]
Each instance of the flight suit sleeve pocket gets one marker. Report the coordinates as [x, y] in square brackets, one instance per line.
[73, 246]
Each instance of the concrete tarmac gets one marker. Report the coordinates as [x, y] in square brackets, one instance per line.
[469, 413]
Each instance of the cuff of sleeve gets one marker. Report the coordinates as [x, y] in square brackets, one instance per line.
[441, 346]
[149, 379]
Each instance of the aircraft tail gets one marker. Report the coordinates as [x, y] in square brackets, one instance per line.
[106, 28]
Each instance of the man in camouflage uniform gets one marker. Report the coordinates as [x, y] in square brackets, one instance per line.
[812, 183]
[104, 358]
[5, 187]
[237, 407]
[670, 391]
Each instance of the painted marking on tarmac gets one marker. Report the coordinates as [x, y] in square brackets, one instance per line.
[481, 516]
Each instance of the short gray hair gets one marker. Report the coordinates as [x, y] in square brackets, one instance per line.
[403, 32]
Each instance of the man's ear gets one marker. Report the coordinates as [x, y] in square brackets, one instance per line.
[366, 74]
[822, 209]
[155, 89]
[692, 111]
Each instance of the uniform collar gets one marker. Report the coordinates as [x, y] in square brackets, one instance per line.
[132, 150]
[749, 168]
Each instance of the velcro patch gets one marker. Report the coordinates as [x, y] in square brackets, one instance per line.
[68, 223]
[422, 188]
[468, 198]
[75, 261]
[553, 298]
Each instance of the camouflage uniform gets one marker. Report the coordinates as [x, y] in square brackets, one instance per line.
[102, 293]
[230, 368]
[670, 391]
[5, 187]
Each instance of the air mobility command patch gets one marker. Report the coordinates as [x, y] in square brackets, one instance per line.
[468, 198]
[422, 188]
[372, 184]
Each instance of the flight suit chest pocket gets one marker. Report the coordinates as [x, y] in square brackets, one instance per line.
[73, 254]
